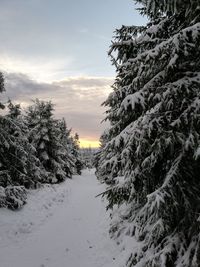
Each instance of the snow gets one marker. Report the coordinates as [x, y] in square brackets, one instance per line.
[132, 100]
[197, 153]
[61, 225]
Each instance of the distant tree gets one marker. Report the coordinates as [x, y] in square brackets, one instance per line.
[151, 153]
[69, 160]
[2, 88]
[14, 110]
[87, 155]
[76, 153]
[99, 159]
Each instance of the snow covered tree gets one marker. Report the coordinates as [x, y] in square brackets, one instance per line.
[99, 159]
[68, 158]
[151, 154]
[2, 88]
[87, 156]
[12, 159]
[27, 156]
[75, 149]
[46, 136]
[17, 160]
[13, 156]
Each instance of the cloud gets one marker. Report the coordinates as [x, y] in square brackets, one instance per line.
[40, 68]
[77, 99]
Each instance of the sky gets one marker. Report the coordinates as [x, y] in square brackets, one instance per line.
[57, 50]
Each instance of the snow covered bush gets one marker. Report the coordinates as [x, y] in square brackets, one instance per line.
[12, 197]
[150, 156]
[15, 196]
[2, 197]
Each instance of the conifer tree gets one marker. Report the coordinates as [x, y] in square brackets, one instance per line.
[13, 155]
[27, 158]
[75, 149]
[151, 155]
[2, 88]
[46, 136]
[87, 157]
[68, 158]
[13, 159]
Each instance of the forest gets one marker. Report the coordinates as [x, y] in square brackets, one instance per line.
[146, 172]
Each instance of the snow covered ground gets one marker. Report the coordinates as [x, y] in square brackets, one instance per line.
[61, 226]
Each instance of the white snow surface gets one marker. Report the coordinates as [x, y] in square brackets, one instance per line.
[61, 226]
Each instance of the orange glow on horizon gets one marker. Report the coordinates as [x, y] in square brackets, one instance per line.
[84, 143]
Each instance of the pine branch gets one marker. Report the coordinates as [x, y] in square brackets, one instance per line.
[108, 190]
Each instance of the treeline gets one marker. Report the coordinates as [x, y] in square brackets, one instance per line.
[88, 157]
[35, 148]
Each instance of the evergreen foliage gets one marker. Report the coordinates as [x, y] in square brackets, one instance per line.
[12, 197]
[69, 160]
[13, 158]
[87, 155]
[150, 155]
[47, 136]
[75, 149]
[2, 88]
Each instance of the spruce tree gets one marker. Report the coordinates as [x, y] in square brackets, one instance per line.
[87, 157]
[2, 88]
[68, 159]
[13, 158]
[27, 158]
[46, 136]
[151, 152]
[75, 150]
[12, 153]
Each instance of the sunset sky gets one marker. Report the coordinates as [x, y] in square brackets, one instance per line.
[57, 50]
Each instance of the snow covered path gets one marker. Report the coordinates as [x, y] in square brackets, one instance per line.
[61, 227]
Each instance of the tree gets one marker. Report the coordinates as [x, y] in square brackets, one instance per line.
[13, 155]
[13, 158]
[87, 156]
[47, 136]
[2, 88]
[68, 158]
[151, 155]
[75, 150]
[26, 156]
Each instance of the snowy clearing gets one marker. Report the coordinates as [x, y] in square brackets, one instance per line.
[61, 226]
